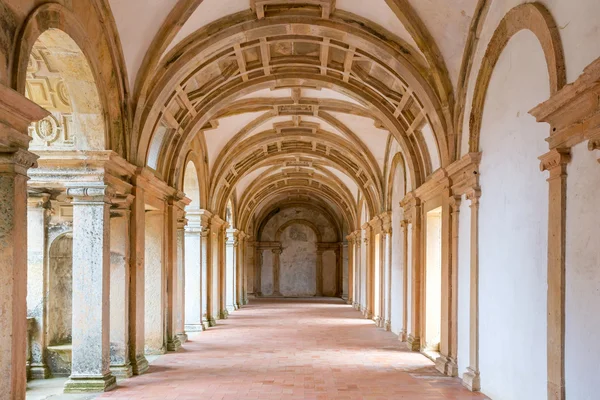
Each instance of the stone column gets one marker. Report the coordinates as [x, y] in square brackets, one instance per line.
[205, 266]
[193, 273]
[120, 365]
[403, 332]
[231, 269]
[452, 364]
[173, 343]
[240, 271]
[214, 272]
[38, 214]
[387, 231]
[471, 377]
[137, 277]
[319, 272]
[90, 368]
[357, 267]
[338, 269]
[370, 267]
[555, 162]
[223, 312]
[350, 239]
[414, 338]
[276, 254]
[16, 113]
[155, 305]
[258, 271]
[180, 300]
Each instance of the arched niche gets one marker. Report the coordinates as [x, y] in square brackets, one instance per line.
[59, 303]
[59, 79]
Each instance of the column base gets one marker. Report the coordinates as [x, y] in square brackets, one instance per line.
[368, 314]
[349, 302]
[183, 337]
[414, 343]
[387, 325]
[230, 308]
[223, 314]
[377, 321]
[403, 337]
[155, 352]
[140, 365]
[238, 305]
[39, 372]
[212, 322]
[446, 366]
[471, 380]
[90, 384]
[194, 327]
[123, 371]
[173, 344]
[245, 301]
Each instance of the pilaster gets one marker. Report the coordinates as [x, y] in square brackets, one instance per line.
[416, 218]
[471, 378]
[38, 214]
[276, 254]
[370, 268]
[231, 246]
[403, 333]
[120, 365]
[180, 298]
[193, 272]
[16, 113]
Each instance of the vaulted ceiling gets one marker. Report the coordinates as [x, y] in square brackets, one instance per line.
[293, 100]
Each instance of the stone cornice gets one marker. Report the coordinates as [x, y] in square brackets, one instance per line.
[17, 112]
[434, 185]
[574, 111]
[555, 161]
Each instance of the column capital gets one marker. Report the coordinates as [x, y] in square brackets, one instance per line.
[278, 251]
[555, 162]
[454, 202]
[90, 192]
[16, 160]
[121, 205]
[473, 195]
[38, 200]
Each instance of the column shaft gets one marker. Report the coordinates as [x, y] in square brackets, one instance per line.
[137, 277]
[173, 343]
[193, 275]
[405, 283]
[414, 338]
[91, 284]
[319, 272]
[155, 281]
[38, 213]
[180, 288]
[120, 365]
[471, 378]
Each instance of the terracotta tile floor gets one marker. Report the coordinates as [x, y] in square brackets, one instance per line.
[293, 349]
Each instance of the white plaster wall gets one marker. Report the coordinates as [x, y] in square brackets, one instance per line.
[579, 29]
[583, 275]
[193, 279]
[464, 283]
[513, 227]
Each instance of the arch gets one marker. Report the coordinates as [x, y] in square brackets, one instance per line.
[107, 71]
[537, 19]
[191, 184]
[300, 222]
[397, 161]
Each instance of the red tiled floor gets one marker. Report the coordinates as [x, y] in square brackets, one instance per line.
[293, 349]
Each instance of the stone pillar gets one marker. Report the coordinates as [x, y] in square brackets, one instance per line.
[370, 268]
[350, 239]
[555, 162]
[16, 113]
[471, 377]
[90, 368]
[319, 272]
[338, 269]
[403, 332]
[155, 304]
[193, 273]
[223, 313]
[452, 364]
[205, 266]
[214, 272]
[357, 267]
[387, 257]
[414, 338]
[173, 343]
[231, 248]
[120, 365]
[240, 271]
[276, 253]
[445, 363]
[258, 271]
[180, 289]
[38, 213]
[137, 277]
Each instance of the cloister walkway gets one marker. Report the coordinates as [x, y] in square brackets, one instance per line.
[293, 349]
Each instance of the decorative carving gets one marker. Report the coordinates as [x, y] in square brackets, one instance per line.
[52, 130]
[555, 161]
[90, 192]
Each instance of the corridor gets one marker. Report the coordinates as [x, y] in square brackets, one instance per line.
[293, 349]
